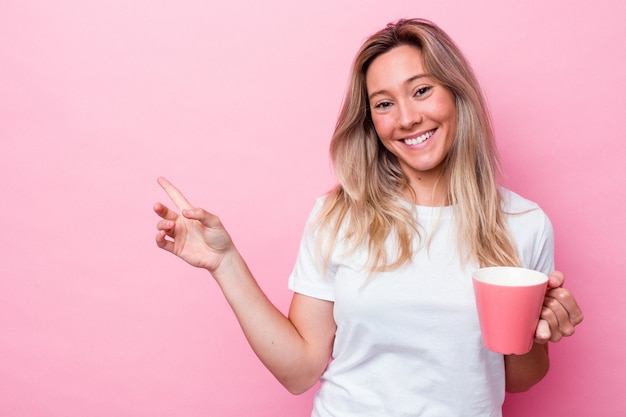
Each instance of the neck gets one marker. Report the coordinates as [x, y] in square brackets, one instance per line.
[429, 192]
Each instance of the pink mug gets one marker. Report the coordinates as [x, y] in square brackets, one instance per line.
[509, 301]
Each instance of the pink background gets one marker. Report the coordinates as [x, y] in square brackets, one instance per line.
[235, 102]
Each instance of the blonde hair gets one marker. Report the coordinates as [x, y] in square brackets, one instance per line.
[366, 207]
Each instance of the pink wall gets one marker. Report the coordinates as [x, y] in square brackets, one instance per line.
[235, 103]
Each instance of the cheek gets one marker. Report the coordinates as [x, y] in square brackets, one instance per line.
[446, 109]
[382, 126]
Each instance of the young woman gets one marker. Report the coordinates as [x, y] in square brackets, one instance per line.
[383, 309]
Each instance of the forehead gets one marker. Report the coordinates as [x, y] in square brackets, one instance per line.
[395, 66]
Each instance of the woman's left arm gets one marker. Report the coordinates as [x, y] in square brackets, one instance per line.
[559, 316]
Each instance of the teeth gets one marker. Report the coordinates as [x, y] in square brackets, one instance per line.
[419, 139]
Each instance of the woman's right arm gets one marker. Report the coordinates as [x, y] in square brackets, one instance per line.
[296, 349]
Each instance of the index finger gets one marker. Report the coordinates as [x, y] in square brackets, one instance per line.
[174, 194]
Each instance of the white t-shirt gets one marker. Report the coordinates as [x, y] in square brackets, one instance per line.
[408, 341]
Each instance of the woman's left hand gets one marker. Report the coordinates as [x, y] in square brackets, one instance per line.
[560, 313]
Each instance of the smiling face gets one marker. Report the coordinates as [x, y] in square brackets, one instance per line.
[414, 115]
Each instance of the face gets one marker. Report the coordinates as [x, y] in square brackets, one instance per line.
[414, 115]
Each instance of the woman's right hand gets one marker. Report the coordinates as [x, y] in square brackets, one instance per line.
[295, 349]
[194, 235]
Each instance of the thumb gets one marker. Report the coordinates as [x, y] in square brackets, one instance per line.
[207, 219]
[543, 333]
[556, 279]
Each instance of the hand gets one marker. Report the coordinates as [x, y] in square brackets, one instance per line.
[560, 313]
[196, 236]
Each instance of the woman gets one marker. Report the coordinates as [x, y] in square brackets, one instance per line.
[382, 283]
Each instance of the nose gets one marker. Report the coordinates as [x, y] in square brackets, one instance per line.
[408, 116]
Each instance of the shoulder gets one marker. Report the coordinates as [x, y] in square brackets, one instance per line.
[513, 203]
[531, 229]
[319, 213]
[319, 220]
[521, 211]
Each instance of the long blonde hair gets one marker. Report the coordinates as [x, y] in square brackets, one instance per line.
[366, 206]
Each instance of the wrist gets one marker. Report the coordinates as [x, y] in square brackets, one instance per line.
[230, 266]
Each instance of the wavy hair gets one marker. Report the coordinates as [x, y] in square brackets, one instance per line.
[367, 208]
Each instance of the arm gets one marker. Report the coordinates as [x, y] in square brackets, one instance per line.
[524, 371]
[296, 349]
[559, 316]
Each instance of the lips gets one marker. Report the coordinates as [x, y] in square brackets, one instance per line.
[419, 139]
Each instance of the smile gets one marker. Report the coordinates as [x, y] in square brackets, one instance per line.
[419, 139]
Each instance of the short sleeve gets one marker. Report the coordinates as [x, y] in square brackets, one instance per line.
[532, 232]
[310, 277]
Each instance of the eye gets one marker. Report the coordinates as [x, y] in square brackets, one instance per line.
[421, 91]
[382, 105]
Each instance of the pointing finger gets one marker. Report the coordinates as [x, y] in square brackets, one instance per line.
[174, 194]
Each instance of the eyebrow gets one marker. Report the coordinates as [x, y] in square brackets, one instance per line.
[408, 81]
